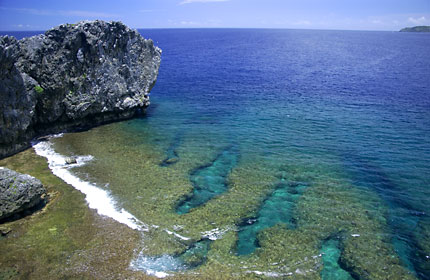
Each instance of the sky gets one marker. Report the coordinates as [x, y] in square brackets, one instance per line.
[21, 15]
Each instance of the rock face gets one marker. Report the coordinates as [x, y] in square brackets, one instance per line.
[18, 192]
[73, 76]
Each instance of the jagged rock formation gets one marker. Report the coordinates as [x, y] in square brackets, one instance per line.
[18, 192]
[73, 76]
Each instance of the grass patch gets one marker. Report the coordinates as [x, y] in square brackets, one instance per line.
[39, 89]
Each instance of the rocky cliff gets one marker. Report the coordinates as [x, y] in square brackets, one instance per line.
[73, 76]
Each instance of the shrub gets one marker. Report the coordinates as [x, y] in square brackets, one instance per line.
[38, 89]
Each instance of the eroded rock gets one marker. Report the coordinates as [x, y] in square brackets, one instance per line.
[73, 76]
[18, 192]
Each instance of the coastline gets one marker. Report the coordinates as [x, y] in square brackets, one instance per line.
[97, 199]
[102, 206]
[71, 230]
[66, 231]
[336, 203]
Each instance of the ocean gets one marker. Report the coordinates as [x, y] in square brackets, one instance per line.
[271, 153]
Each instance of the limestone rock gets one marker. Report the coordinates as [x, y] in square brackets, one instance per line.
[18, 192]
[73, 76]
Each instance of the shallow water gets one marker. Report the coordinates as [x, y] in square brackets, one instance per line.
[331, 137]
[277, 208]
[332, 270]
[209, 181]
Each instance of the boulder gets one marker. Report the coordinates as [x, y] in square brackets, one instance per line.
[18, 192]
[70, 160]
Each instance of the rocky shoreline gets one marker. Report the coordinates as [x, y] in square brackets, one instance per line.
[75, 76]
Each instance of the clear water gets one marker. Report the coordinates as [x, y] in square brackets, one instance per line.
[171, 154]
[358, 102]
[20, 34]
[331, 254]
[209, 181]
[331, 137]
[277, 208]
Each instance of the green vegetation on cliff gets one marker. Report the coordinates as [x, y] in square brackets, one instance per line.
[416, 29]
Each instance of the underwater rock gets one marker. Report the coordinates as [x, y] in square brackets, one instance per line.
[172, 154]
[18, 192]
[4, 231]
[73, 76]
[169, 161]
[70, 160]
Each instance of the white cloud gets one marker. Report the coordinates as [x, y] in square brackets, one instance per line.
[78, 13]
[200, 1]
[184, 22]
[28, 11]
[302, 22]
[195, 24]
[150, 11]
[419, 20]
[67, 13]
[24, 26]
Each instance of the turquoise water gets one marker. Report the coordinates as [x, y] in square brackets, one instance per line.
[277, 208]
[331, 255]
[307, 151]
[209, 181]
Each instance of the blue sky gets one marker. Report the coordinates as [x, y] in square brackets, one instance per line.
[297, 14]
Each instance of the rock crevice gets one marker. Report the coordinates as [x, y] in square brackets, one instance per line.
[73, 76]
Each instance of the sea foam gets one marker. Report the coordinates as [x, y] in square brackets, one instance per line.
[97, 198]
[156, 266]
[105, 205]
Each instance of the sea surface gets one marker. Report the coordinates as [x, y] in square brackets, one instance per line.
[273, 153]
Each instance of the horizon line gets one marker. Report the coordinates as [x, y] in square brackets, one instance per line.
[275, 28]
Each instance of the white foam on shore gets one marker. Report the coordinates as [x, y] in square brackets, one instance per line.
[97, 198]
[177, 235]
[105, 205]
[269, 273]
[156, 266]
[215, 233]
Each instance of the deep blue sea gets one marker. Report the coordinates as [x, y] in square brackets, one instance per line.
[328, 132]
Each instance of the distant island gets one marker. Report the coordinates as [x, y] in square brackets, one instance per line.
[416, 29]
